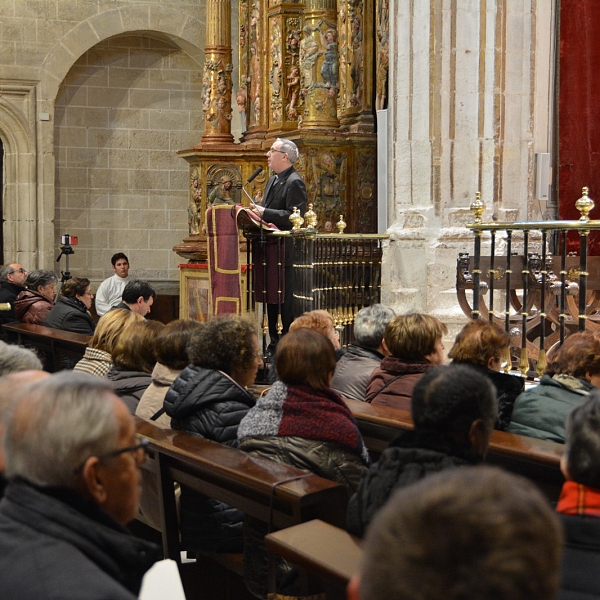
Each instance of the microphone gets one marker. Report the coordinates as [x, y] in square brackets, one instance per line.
[254, 175]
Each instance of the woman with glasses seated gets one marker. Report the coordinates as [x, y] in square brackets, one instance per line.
[71, 312]
[209, 398]
[37, 299]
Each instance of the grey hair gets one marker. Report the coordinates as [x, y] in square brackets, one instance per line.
[39, 278]
[16, 358]
[61, 421]
[290, 148]
[370, 325]
[5, 271]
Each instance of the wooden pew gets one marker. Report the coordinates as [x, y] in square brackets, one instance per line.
[261, 488]
[330, 554]
[538, 460]
[53, 345]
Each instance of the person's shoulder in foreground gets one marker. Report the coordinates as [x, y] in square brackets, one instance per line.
[579, 503]
[72, 461]
[474, 533]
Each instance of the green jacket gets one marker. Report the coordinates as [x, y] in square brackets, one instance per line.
[541, 411]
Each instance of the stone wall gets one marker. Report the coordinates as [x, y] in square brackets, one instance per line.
[123, 111]
[92, 149]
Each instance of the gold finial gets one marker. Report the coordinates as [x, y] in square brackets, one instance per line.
[541, 363]
[296, 219]
[477, 207]
[310, 218]
[584, 205]
[341, 224]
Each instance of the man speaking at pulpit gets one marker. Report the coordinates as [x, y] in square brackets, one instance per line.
[284, 191]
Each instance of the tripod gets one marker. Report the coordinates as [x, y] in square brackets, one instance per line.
[67, 250]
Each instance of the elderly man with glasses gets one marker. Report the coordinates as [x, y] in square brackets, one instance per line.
[284, 191]
[12, 283]
[72, 462]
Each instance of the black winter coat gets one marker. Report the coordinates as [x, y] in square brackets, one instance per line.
[508, 387]
[59, 545]
[409, 458]
[210, 404]
[70, 314]
[129, 385]
[8, 293]
[581, 559]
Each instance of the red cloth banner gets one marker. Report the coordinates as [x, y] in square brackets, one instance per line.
[223, 261]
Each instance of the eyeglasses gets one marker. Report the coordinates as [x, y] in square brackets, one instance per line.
[139, 451]
[21, 270]
[275, 150]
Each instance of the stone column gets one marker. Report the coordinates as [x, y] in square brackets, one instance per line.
[216, 83]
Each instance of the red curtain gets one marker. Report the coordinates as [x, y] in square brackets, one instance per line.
[579, 111]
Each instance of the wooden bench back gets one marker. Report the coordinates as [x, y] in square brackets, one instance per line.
[261, 488]
[538, 460]
[51, 344]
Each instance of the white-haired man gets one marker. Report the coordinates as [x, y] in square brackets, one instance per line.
[72, 460]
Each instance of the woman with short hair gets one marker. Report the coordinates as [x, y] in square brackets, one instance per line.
[71, 312]
[37, 299]
[414, 342]
[209, 399]
[483, 345]
[573, 371]
[303, 423]
[133, 360]
[97, 359]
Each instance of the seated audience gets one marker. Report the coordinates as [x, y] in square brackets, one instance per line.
[303, 423]
[170, 348]
[97, 359]
[414, 342]
[138, 296]
[11, 386]
[474, 533]
[573, 371]
[71, 312]
[453, 411]
[72, 460]
[133, 360]
[37, 299]
[579, 504]
[483, 346]
[209, 399]
[354, 369]
[12, 280]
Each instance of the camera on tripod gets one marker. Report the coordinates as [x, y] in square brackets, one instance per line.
[67, 241]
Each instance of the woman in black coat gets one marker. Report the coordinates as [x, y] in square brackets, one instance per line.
[71, 312]
[209, 399]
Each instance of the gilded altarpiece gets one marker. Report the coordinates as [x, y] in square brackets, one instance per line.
[307, 72]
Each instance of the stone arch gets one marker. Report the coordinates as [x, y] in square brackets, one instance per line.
[162, 22]
[17, 131]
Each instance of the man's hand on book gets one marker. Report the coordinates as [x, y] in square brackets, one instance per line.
[259, 210]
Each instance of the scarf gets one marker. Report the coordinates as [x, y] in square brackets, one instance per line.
[578, 499]
[301, 411]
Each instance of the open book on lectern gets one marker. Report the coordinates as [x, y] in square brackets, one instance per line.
[245, 217]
